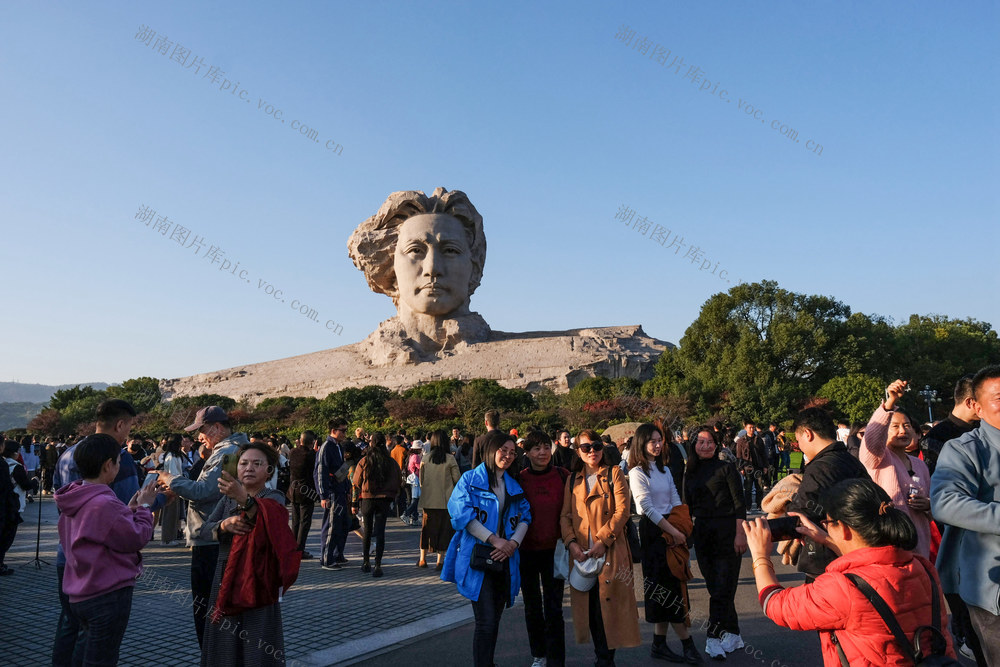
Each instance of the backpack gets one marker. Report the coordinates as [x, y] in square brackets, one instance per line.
[939, 644]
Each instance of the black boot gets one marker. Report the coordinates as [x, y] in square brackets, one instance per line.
[365, 567]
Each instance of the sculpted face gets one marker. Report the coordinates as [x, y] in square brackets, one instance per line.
[433, 264]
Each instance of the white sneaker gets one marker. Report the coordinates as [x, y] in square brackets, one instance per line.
[538, 662]
[731, 642]
[713, 647]
[967, 652]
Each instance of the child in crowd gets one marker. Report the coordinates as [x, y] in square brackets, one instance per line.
[101, 537]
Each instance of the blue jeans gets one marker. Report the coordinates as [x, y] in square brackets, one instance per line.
[336, 525]
[103, 620]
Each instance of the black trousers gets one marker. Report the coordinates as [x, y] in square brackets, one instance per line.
[543, 613]
[67, 629]
[203, 561]
[487, 609]
[604, 655]
[8, 531]
[302, 518]
[720, 565]
[374, 512]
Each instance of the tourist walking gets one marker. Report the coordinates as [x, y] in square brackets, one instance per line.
[411, 472]
[714, 496]
[490, 515]
[656, 497]
[258, 562]
[873, 541]
[173, 465]
[333, 485]
[602, 595]
[302, 488]
[376, 481]
[438, 476]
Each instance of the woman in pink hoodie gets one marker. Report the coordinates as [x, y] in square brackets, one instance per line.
[101, 537]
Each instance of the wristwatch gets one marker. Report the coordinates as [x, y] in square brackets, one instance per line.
[146, 505]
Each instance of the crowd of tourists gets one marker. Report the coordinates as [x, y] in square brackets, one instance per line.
[894, 524]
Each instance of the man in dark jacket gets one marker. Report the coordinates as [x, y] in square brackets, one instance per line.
[302, 488]
[332, 485]
[961, 420]
[751, 453]
[829, 463]
[492, 421]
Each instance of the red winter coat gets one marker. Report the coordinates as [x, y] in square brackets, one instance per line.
[832, 602]
[260, 562]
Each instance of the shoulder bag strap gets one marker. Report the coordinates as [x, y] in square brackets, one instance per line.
[885, 612]
[840, 650]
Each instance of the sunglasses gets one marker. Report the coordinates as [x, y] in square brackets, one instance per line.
[587, 448]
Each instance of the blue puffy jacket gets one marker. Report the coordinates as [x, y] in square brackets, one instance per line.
[473, 499]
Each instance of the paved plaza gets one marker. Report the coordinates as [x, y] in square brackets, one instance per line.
[408, 617]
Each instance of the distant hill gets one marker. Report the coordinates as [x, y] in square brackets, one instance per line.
[17, 415]
[20, 392]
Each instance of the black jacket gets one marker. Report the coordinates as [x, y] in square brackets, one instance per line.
[833, 464]
[301, 466]
[945, 430]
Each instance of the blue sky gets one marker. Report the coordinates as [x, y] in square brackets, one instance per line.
[541, 112]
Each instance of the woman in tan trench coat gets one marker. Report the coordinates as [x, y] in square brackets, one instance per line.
[595, 509]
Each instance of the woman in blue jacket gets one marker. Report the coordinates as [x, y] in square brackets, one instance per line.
[487, 507]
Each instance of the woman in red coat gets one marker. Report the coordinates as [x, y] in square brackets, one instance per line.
[874, 541]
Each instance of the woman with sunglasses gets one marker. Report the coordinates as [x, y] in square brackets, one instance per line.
[874, 541]
[655, 496]
[250, 509]
[595, 509]
[487, 507]
[713, 491]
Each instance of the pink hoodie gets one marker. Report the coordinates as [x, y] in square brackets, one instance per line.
[101, 537]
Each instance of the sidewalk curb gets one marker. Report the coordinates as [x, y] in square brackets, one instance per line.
[358, 650]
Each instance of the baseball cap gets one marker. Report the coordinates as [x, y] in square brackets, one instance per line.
[211, 414]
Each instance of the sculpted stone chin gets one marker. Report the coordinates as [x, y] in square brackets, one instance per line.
[427, 253]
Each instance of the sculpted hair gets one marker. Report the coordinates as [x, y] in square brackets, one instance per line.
[858, 503]
[91, 453]
[373, 244]
[817, 420]
[637, 454]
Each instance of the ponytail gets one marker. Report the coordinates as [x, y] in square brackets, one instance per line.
[867, 509]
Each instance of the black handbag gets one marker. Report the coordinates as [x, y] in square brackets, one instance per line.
[482, 559]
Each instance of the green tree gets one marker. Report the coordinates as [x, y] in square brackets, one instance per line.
[436, 391]
[755, 349]
[365, 404]
[854, 397]
[64, 397]
[142, 393]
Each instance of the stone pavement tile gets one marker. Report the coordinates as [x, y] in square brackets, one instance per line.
[322, 610]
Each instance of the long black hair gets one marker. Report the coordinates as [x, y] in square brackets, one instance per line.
[637, 454]
[378, 465]
[495, 440]
[173, 444]
[694, 461]
[439, 447]
[867, 509]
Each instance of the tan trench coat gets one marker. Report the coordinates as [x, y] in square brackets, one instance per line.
[591, 513]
